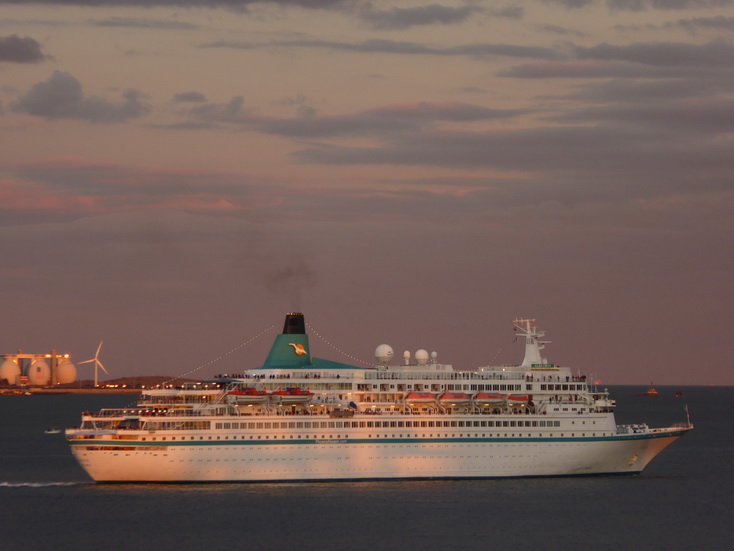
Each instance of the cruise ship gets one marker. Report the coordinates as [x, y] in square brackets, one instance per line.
[302, 418]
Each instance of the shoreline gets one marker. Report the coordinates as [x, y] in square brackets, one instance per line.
[60, 391]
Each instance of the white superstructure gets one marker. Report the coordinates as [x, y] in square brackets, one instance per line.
[304, 418]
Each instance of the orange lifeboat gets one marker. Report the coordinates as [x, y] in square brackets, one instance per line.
[518, 400]
[292, 396]
[247, 395]
[454, 399]
[419, 398]
[489, 399]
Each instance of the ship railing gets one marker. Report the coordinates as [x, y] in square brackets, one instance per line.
[682, 425]
[633, 429]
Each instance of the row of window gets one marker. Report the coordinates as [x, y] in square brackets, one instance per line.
[384, 424]
[578, 387]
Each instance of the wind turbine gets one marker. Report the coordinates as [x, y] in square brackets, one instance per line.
[97, 364]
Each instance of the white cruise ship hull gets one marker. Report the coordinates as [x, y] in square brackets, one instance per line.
[325, 420]
[352, 457]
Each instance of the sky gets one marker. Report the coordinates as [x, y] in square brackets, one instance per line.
[176, 175]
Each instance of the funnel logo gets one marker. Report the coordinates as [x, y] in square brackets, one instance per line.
[298, 348]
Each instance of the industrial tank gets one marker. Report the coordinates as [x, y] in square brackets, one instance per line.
[10, 371]
[38, 372]
[65, 372]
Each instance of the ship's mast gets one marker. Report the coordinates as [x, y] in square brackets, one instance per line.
[533, 346]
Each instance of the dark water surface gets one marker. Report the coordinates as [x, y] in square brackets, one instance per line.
[684, 500]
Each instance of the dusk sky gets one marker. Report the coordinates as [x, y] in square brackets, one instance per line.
[176, 175]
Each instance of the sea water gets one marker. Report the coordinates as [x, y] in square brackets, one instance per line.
[684, 499]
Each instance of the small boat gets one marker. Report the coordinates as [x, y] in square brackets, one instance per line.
[292, 396]
[679, 394]
[454, 399]
[489, 399]
[52, 430]
[417, 398]
[247, 395]
[518, 400]
[652, 391]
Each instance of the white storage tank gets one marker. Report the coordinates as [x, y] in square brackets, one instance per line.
[10, 371]
[39, 373]
[66, 372]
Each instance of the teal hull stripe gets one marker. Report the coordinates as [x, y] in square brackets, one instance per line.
[324, 441]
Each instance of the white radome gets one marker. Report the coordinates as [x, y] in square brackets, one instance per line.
[421, 357]
[384, 353]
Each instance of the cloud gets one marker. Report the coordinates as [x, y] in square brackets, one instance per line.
[14, 49]
[717, 53]
[642, 5]
[570, 4]
[645, 91]
[596, 69]
[62, 97]
[233, 111]
[578, 163]
[205, 115]
[480, 50]
[707, 117]
[509, 12]
[233, 4]
[192, 96]
[386, 119]
[142, 23]
[704, 23]
[714, 59]
[404, 18]
[71, 188]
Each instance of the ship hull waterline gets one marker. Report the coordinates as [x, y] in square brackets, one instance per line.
[364, 459]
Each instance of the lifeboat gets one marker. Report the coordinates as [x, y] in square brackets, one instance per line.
[454, 399]
[418, 398]
[292, 396]
[517, 400]
[489, 399]
[247, 395]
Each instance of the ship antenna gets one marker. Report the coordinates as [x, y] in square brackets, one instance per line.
[532, 345]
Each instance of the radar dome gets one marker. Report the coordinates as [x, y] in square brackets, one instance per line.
[66, 372]
[421, 356]
[10, 371]
[38, 372]
[384, 353]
